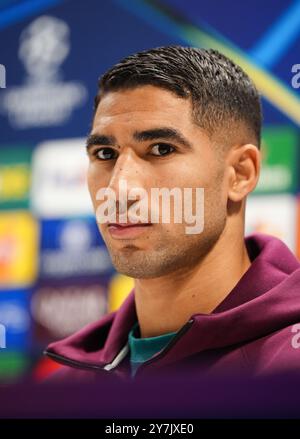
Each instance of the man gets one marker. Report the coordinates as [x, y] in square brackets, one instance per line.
[209, 302]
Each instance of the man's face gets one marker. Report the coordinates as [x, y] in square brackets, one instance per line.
[147, 137]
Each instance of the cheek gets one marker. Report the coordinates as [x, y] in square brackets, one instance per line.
[94, 184]
[91, 183]
[95, 180]
[191, 173]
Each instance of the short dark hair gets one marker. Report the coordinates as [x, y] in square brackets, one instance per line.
[220, 91]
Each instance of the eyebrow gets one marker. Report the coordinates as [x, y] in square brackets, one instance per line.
[100, 139]
[166, 133]
[162, 133]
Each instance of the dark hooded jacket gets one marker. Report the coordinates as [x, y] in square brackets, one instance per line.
[254, 331]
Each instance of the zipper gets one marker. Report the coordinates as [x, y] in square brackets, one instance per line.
[73, 363]
[118, 359]
[169, 346]
[121, 355]
[78, 364]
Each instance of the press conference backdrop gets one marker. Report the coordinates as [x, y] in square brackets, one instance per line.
[55, 272]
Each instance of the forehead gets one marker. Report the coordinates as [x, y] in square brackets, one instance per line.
[145, 106]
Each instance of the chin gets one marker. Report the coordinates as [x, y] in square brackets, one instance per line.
[133, 267]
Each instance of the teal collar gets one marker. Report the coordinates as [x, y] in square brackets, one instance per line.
[142, 349]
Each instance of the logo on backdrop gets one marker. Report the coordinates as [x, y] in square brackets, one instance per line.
[70, 248]
[64, 309]
[44, 99]
[15, 319]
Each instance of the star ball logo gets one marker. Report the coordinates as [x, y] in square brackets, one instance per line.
[2, 76]
[43, 98]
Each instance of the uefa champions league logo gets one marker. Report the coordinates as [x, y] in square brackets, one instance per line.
[44, 45]
[44, 98]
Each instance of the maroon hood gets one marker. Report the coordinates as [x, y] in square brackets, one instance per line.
[265, 300]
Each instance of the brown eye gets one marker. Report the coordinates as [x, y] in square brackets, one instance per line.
[106, 154]
[161, 149]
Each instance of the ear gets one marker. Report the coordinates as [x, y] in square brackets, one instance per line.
[244, 168]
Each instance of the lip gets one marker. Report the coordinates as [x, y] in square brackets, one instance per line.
[127, 230]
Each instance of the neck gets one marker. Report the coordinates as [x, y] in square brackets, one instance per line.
[166, 303]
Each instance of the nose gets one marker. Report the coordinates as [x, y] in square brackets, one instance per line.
[127, 174]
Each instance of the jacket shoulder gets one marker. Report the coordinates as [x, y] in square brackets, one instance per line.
[275, 353]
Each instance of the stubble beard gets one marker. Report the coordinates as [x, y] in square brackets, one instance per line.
[168, 255]
[174, 249]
